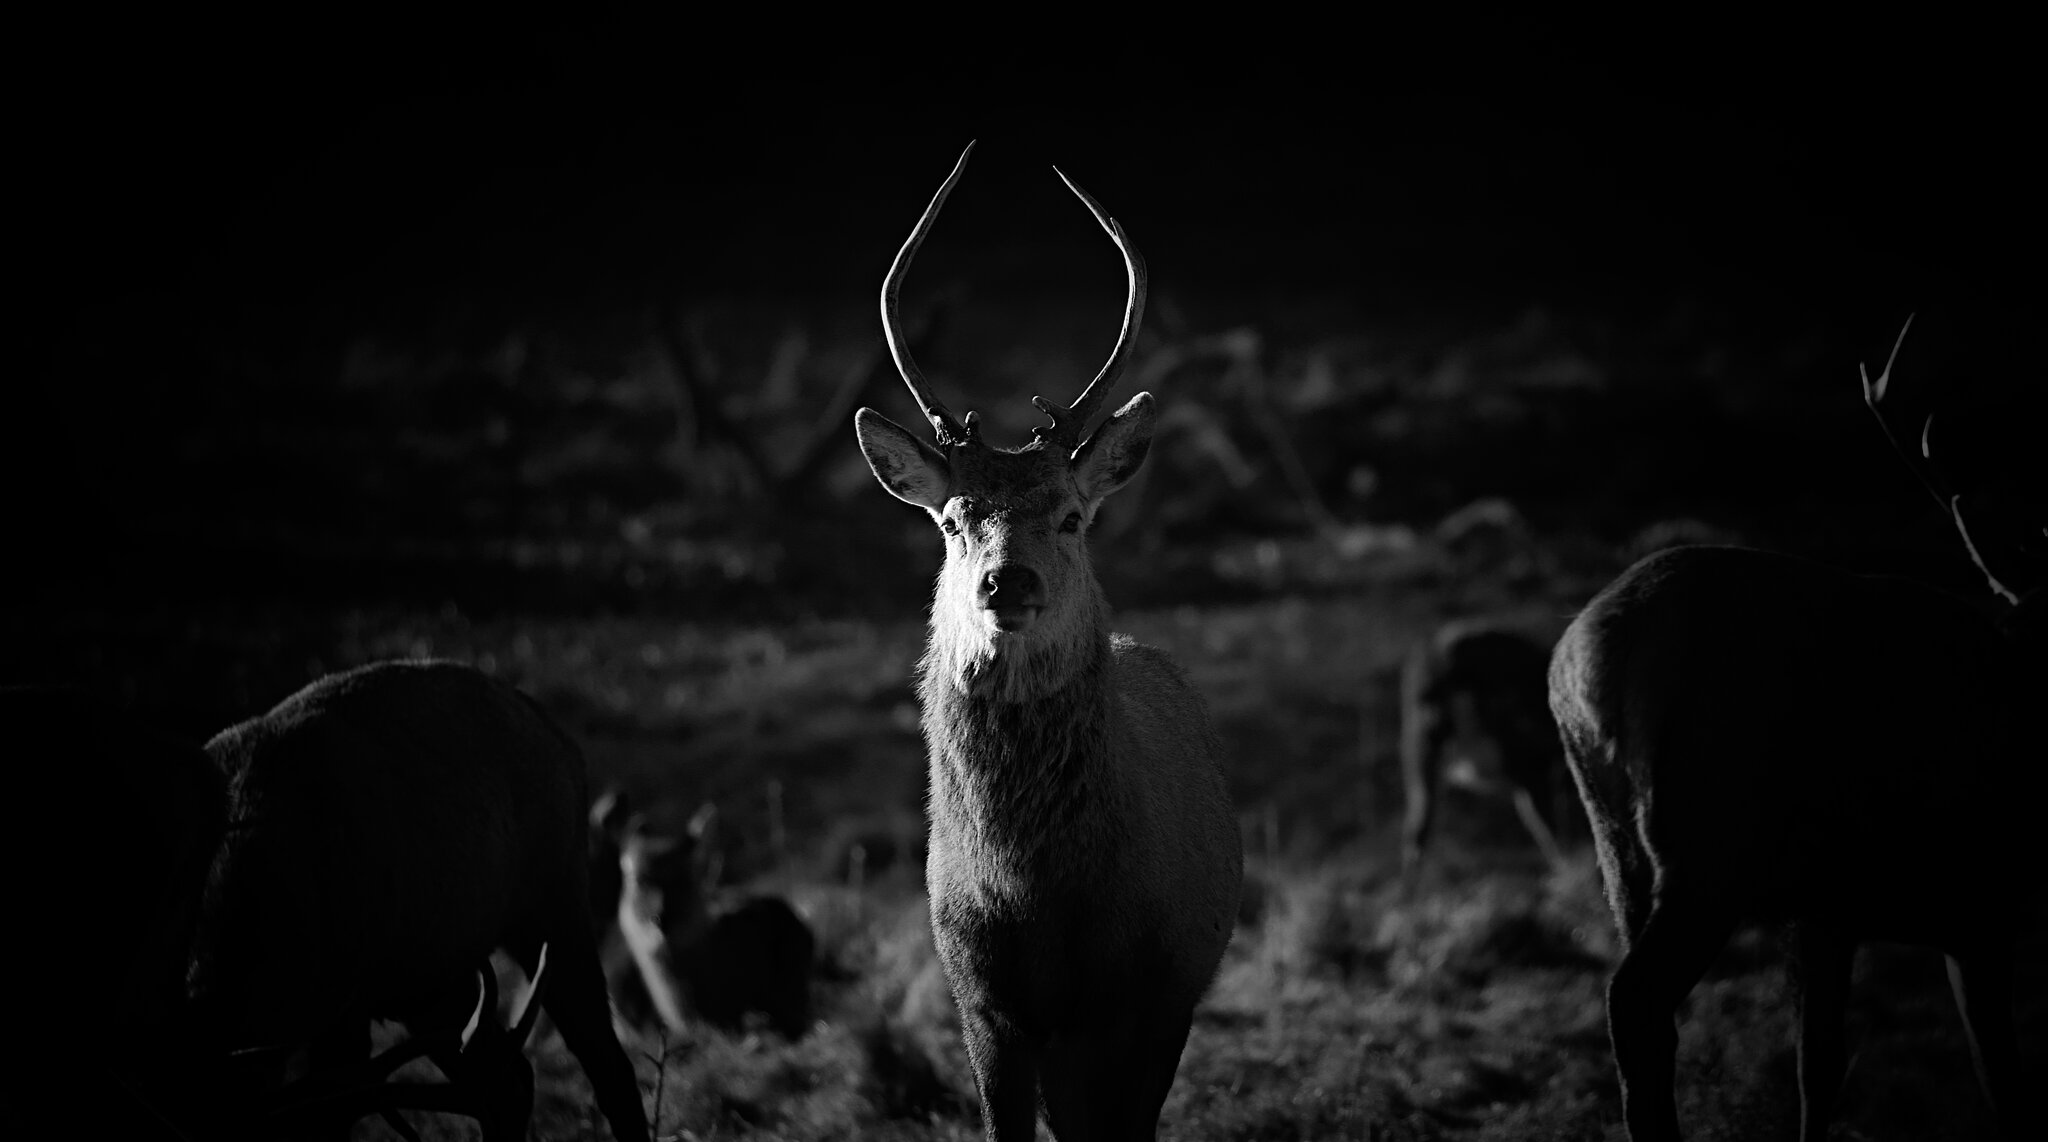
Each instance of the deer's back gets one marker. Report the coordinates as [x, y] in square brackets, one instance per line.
[392, 823]
[1803, 738]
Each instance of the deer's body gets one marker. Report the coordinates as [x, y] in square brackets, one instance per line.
[1760, 737]
[1475, 714]
[389, 828]
[692, 953]
[1852, 774]
[1084, 870]
[1083, 865]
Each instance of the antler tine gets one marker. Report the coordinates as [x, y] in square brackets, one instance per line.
[1068, 423]
[523, 1020]
[949, 429]
[1889, 410]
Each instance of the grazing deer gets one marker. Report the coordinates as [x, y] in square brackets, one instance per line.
[389, 827]
[489, 1076]
[1475, 715]
[689, 957]
[1758, 736]
[1084, 864]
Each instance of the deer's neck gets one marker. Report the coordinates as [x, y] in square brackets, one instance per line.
[1020, 761]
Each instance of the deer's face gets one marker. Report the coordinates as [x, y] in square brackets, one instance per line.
[1015, 523]
[1015, 546]
[1017, 594]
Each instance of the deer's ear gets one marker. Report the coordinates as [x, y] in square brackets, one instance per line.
[703, 822]
[1117, 450]
[910, 469]
[707, 860]
[610, 810]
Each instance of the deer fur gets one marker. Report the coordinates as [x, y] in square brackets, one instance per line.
[1084, 865]
[389, 828]
[1084, 862]
[1475, 714]
[693, 953]
[1761, 737]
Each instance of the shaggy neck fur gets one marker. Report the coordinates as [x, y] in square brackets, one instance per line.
[1018, 735]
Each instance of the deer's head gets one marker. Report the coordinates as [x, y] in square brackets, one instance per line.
[1017, 589]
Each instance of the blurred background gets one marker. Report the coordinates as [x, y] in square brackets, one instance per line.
[537, 343]
[576, 312]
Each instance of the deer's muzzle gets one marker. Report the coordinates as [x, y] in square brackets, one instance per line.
[1012, 595]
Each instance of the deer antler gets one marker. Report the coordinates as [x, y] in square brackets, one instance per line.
[1973, 521]
[1070, 422]
[1894, 414]
[950, 430]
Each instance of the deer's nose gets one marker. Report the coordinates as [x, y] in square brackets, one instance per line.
[1012, 586]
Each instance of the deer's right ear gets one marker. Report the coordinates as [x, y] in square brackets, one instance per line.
[609, 811]
[912, 470]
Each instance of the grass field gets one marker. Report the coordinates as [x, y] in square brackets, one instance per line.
[713, 628]
[1343, 1009]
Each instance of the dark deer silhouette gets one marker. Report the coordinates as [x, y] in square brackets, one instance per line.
[389, 828]
[1763, 737]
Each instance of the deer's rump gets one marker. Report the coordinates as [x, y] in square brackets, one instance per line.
[390, 828]
[1762, 724]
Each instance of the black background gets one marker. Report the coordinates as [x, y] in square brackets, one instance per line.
[192, 191]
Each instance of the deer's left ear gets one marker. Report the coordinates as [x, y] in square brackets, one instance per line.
[912, 470]
[1117, 450]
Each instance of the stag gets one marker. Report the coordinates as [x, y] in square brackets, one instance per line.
[692, 953]
[1756, 736]
[1084, 865]
[389, 828]
[1475, 715]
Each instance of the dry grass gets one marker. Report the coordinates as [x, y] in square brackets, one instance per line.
[1471, 1010]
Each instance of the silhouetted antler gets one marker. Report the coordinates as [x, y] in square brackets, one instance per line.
[1895, 412]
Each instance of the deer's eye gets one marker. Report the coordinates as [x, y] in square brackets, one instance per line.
[1072, 523]
[950, 527]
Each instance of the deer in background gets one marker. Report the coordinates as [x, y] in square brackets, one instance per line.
[1756, 736]
[1084, 864]
[389, 828]
[692, 953]
[1475, 715]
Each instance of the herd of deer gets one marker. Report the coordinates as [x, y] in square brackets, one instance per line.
[1752, 737]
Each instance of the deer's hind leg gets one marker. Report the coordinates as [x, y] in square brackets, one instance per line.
[1667, 956]
[1112, 1082]
[1982, 979]
[1823, 960]
[1006, 1074]
[574, 997]
[1423, 737]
